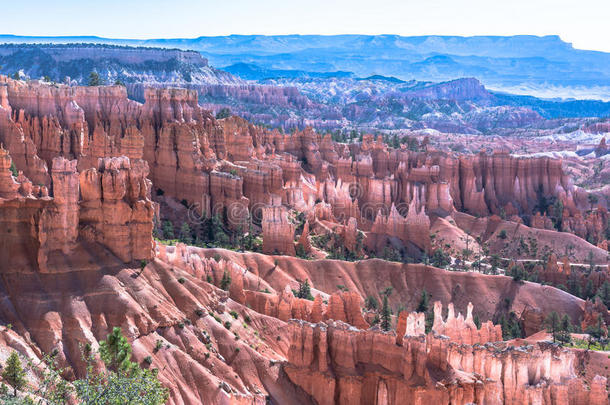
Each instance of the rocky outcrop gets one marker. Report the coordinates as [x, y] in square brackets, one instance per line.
[278, 231]
[83, 229]
[234, 169]
[336, 364]
[109, 205]
[116, 210]
[463, 330]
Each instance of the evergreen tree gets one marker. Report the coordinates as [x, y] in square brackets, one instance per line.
[17, 76]
[477, 321]
[596, 332]
[249, 242]
[593, 199]
[386, 321]
[94, 79]
[604, 293]
[553, 325]
[168, 230]
[14, 170]
[505, 329]
[424, 302]
[225, 282]
[565, 328]
[589, 290]
[223, 113]
[371, 303]
[115, 351]
[518, 273]
[186, 234]
[387, 291]
[514, 327]
[591, 261]
[121, 383]
[124, 383]
[558, 211]
[217, 232]
[305, 291]
[440, 259]
[14, 373]
[574, 285]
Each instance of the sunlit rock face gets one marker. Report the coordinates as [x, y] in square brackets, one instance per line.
[234, 169]
[78, 169]
[335, 363]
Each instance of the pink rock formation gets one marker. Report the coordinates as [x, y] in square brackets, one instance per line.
[115, 208]
[115, 211]
[278, 232]
[463, 330]
[395, 374]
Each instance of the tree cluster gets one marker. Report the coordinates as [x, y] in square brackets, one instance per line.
[123, 382]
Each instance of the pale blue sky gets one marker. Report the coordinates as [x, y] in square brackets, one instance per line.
[585, 23]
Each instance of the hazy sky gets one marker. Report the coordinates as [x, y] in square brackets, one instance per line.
[585, 23]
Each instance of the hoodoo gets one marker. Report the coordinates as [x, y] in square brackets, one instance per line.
[203, 258]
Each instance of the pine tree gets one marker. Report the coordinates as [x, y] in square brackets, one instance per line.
[186, 234]
[168, 230]
[589, 290]
[505, 329]
[604, 293]
[14, 170]
[424, 302]
[553, 324]
[371, 303]
[225, 282]
[387, 291]
[596, 332]
[13, 373]
[386, 321]
[477, 321]
[124, 382]
[305, 290]
[217, 232]
[574, 285]
[565, 327]
[94, 79]
[116, 351]
[510, 326]
[223, 113]
[515, 328]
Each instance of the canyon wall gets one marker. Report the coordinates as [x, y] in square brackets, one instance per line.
[233, 169]
[42, 228]
[339, 365]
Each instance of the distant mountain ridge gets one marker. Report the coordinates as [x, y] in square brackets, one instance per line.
[297, 98]
[538, 65]
[113, 63]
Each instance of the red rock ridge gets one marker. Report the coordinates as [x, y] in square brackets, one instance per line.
[337, 364]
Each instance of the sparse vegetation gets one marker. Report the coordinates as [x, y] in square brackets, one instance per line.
[304, 291]
[94, 79]
[386, 320]
[223, 113]
[225, 282]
